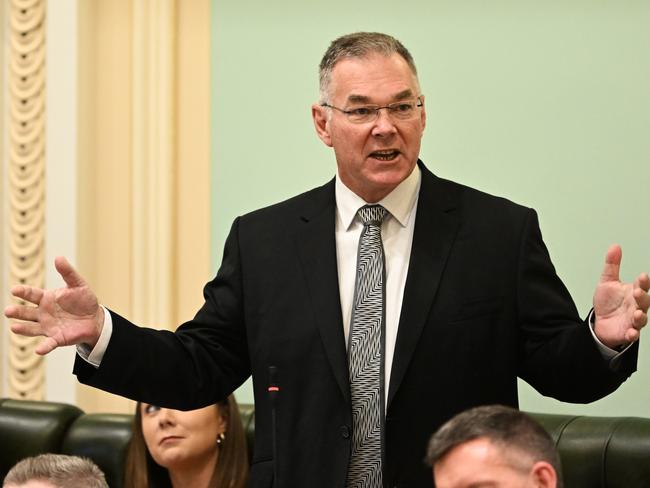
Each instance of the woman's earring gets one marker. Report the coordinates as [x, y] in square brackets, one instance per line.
[220, 438]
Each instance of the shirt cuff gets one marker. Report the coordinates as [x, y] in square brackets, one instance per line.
[95, 355]
[611, 355]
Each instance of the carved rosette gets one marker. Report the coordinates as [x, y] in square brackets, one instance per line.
[26, 171]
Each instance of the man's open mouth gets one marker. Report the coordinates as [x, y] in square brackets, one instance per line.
[386, 155]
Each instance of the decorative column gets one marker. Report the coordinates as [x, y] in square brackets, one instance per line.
[26, 178]
[154, 136]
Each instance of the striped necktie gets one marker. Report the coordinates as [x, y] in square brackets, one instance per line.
[365, 354]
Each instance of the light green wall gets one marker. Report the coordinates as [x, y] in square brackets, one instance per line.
[546, 103]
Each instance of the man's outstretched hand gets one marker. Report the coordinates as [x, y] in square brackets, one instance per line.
[621, 309]
[64, 316]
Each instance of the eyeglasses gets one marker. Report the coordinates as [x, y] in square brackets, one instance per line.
[403, 110]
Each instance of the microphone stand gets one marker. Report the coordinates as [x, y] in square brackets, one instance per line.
[274, 391]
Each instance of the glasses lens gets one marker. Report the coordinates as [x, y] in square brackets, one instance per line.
[399, 110]
[402, 110]
[360, 115]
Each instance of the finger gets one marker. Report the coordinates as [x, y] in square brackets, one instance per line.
[641, 295]
[47, 345]
[631, 335]
[643, 281]
[28, 329]
[68, 273]
[28, 293]
[9, 312]
[21, 312]
[612, 264]
[640, 319]
[642, 299]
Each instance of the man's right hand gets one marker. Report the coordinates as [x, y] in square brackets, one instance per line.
[65, 316]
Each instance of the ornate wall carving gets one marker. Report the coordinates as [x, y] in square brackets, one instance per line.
[144, 107]
[26, 177]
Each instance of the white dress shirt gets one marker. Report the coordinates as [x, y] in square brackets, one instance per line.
[397, 237]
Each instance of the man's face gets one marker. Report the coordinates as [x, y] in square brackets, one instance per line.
[372, 157]
[480, 464]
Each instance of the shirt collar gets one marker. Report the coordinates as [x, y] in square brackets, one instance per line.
[400, 202]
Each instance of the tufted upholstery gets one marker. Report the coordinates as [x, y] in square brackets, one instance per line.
[30, 428]
[596, 452]
[612, 452]
[114, 430]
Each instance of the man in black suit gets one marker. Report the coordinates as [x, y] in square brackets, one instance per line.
[468, 300]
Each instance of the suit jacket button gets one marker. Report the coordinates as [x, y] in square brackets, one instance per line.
[345, 431]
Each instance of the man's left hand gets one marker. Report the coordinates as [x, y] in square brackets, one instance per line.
[621, 309]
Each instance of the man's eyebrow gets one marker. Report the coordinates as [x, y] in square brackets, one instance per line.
[358, 99]
[403, 95]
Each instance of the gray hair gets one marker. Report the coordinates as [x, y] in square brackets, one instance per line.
[505, 427]
[60, 470]
[359, 45]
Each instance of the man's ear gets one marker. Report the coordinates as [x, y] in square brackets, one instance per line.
[544, 475]
[321, 123]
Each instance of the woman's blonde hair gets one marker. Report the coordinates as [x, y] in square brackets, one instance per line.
[230, 471]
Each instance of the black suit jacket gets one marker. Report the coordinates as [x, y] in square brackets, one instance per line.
[482, 305]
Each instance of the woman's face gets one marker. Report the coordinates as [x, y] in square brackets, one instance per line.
[178, 439]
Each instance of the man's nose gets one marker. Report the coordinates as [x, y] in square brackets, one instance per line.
[384, 124]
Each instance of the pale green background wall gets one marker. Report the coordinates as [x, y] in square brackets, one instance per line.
[543, 102]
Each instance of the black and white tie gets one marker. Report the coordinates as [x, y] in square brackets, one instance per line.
[365, 353]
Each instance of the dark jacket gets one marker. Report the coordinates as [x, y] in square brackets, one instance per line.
[482, 306]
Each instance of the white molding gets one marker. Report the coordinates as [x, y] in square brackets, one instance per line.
[61, 171]
[153, 161]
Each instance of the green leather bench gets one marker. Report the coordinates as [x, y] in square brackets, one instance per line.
[596, 452]
[28, 428]
[612, 452]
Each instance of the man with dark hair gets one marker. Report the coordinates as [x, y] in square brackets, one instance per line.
[493, 446]
[55, 471]
[379, 304]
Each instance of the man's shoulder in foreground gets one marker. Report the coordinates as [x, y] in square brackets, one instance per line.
[447, 195]
[435, 191]
[303, 206]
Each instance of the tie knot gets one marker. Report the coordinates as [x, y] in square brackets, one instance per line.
[372, 214]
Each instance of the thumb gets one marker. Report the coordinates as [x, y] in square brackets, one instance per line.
[612, 264]
[68, 273]
[46, 346]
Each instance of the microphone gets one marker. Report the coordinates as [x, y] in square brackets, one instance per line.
[274, 391]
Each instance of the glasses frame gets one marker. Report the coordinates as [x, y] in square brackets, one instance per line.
[374, 110]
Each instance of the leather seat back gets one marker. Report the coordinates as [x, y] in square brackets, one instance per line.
[104, 438]
[30, 428]
[601, 452]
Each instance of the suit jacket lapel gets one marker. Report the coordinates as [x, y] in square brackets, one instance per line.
[316, 243]
[436, 225]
